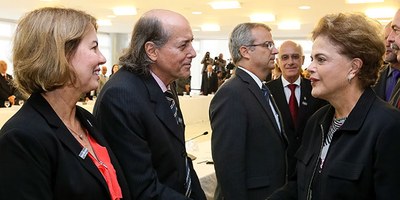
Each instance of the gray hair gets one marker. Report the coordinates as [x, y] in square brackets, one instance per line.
[242, 36]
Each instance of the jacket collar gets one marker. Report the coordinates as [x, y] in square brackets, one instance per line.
[254, 88]
[357, 116]
[162, 110]
[40, 104]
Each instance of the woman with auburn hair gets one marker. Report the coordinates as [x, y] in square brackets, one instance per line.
[51, 149]
[350, 148]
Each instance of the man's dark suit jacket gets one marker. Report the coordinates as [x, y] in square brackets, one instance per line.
[380, 86]
[138, 123]
[308, 105]
[40, 157]
[6, 89]
[247, 147]
[209, 85]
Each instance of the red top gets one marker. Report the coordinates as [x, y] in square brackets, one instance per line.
[105, 167]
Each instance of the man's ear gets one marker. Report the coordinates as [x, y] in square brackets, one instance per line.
[244, 51]
[151, 50]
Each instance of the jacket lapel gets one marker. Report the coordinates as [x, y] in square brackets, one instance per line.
[253, 87]
[280, 98]
[63, 134]
[162, 109]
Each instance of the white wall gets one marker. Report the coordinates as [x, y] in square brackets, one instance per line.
[113, 44]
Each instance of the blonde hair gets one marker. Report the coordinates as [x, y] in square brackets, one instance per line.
[44, 42]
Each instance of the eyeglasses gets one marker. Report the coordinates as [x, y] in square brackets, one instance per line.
[268, 44]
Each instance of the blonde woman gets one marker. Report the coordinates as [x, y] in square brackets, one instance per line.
[51, 149]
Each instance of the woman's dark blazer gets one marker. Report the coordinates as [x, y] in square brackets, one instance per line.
[363, 158]
[40, 158]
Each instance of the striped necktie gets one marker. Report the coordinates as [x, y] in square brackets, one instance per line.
[174, 109]
[172, 104]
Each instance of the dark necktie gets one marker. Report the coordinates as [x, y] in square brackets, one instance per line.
[174, 109]
[172, 104]
[293, 102]
[265, 92]
[272, 105]
[391, 83]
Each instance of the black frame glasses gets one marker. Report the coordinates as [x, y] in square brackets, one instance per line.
[267, 44]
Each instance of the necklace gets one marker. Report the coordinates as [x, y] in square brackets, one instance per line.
[80, 136]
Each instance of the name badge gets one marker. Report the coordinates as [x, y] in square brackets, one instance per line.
[83, 153]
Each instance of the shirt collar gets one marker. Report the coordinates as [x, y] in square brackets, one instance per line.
[256, 79]
[159, 82]
[286, 83]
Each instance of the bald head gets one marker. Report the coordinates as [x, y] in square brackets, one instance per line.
[292, 45]
[290, 60]
[104, 70]
[167, 17]
[3, 67]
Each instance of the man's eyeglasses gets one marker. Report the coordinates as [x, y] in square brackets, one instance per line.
[268, 44]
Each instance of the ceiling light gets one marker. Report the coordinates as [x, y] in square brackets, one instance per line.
[380, 13]
[289, 25]
[262, 17]
[196, 13]
[210, 27]
[225, 4]
[124, 11]
[304, 7]
[104, 22]
[363, 1]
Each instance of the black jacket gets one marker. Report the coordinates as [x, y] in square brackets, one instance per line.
[362, 162]
[40, 157]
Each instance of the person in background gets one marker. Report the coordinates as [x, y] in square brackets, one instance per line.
[183, 86]
[114, 69]
[275, 73]
[207, 60]
[350, 148]
[293, 97]
[390, 73]
[51, 148]
[221, 78]
[394, 40]
[248, 142]
[102, 79]
[7, 90]
[229, 69]
[139, 111]
[219, 64]
[209, 82]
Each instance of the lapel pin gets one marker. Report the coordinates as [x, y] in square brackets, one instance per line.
[83, 153]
